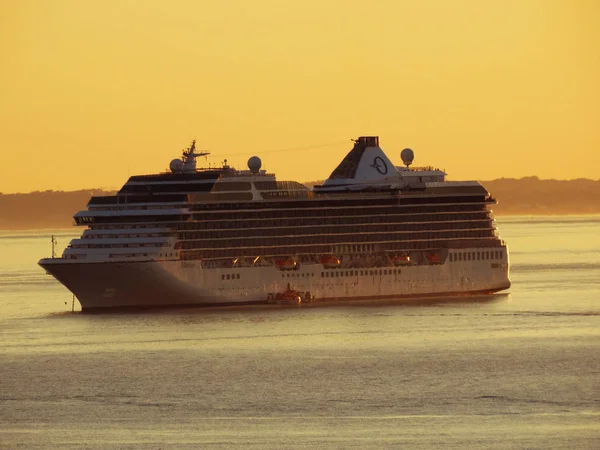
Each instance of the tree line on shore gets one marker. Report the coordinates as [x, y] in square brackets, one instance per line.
[530, 195]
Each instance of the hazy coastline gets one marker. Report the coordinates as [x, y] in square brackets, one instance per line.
[524, 196]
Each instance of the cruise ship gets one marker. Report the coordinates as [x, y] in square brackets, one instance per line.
[216, 236]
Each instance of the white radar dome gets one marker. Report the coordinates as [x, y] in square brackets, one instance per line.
[407, 156]
[176, 165]
[254, 164]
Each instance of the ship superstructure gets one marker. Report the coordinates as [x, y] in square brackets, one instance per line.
[222, 236]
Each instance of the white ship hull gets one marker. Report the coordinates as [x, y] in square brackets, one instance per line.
[99, 285]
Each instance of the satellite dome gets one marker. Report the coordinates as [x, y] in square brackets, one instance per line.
[254, 164]
[407, 156]
[176, 165]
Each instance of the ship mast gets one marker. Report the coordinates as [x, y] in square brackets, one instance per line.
[189, 157]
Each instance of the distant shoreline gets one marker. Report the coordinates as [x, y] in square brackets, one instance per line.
[58, 228]
[530, 196]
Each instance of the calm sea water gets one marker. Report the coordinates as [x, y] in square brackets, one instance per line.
[520, 370]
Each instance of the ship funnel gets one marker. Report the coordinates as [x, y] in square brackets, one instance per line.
[366, 163]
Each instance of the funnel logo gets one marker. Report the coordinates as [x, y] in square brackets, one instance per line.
[379, 165]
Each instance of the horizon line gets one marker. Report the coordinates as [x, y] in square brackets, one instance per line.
[111, 189]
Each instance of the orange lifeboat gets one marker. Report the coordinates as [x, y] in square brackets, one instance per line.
[401, 260]
[433, 258]
[288, 297]
[285, 264]
[330, 261]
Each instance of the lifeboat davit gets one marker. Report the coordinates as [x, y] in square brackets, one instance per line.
[330, 262]
[401, 260]
[285, 264]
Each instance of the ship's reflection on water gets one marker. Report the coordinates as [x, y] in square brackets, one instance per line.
[266, 307]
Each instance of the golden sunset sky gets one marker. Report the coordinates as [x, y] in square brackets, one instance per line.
[91, 92]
